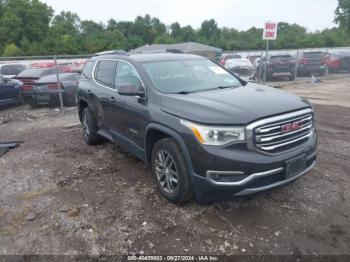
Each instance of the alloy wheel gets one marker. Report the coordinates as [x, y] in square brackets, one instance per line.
[86, 130]
[166, 172]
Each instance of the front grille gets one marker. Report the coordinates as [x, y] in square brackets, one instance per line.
[284, 134]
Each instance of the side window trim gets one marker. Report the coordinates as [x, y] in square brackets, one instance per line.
[132, 68]
[116, 60]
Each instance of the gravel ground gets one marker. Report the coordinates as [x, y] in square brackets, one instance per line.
[59, 196]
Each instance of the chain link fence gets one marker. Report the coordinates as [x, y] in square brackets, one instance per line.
[46, 81]
[50, 81]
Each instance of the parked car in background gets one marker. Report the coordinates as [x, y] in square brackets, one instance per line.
[11, 70]
[203, 132]
[241, 67]
[45, 91]
[225, 57]
[29, 76]
[253, 58]
[43, 64]
[276, 66]
[338, 62]
[69, 67]
[9, 92]
[312, 63]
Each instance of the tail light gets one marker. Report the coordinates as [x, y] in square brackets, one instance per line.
[222, 62]
[27, 88]
[55, 86]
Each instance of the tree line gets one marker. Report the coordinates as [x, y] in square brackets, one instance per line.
[29, 27]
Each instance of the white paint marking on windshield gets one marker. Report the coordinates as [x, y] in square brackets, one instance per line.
[218, 70]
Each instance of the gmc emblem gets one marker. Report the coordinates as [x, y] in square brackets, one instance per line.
[290, 127]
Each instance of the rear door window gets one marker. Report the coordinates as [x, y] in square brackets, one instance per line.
[106, 72]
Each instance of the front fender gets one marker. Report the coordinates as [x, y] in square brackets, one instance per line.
[175, 135]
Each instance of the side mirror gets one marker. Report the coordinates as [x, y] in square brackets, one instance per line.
[131, 90]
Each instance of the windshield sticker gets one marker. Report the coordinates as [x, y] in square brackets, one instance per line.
[172, 76]
[218, 70]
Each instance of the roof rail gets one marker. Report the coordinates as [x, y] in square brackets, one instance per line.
[161, 51]
[112, 52]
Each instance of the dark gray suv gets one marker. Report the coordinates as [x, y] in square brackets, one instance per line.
[204, 132]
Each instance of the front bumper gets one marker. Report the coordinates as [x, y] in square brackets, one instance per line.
[255, 172]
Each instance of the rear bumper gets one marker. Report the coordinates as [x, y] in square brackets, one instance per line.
[9, 101]
[312, 69]
[43, 97]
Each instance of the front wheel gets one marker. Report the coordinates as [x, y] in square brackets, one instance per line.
[170, 171]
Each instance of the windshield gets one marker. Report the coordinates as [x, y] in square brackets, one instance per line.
[281, 58]
[313, 54]
[12, 69]
[188, 76]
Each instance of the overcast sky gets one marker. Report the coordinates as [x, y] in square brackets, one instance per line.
[239, 14]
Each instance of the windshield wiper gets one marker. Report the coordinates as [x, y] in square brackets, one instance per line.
[184, 92]
[224, 87]
[204, 90]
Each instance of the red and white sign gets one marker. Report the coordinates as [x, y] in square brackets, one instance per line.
[270, 31]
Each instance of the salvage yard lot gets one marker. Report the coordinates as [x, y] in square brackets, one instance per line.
[60, 196]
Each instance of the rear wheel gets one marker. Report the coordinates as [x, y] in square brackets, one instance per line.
[90, 128]
[170, 171]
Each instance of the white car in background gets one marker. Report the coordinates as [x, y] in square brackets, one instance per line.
[240, 67]
[12, 69]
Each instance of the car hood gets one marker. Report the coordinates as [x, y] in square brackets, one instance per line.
[240, 105]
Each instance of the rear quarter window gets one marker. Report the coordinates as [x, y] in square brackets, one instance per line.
[87, 71]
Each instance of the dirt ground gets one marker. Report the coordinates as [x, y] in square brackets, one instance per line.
[59, 196]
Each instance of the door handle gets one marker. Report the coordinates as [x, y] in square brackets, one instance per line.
[89, 91]
[112, 97]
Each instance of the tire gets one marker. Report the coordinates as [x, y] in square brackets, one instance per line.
[90, 128]
[168, 165]
[292, 78]
[33, 103]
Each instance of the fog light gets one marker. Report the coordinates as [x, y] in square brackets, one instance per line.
[226, 176]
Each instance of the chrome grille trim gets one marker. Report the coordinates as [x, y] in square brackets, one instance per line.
[268, 128]
[270, 138]
[273, 147]
[267, 136]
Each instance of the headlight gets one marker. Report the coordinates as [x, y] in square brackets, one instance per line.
[215, 135]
